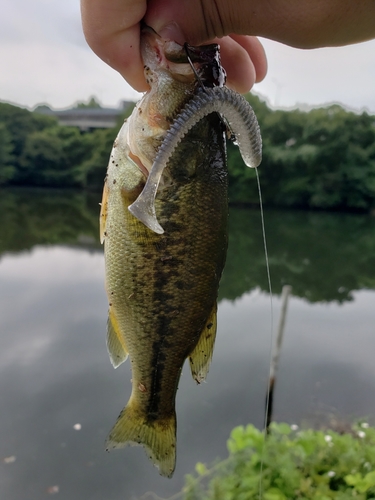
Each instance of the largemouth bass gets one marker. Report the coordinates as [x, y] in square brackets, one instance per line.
[162, 285]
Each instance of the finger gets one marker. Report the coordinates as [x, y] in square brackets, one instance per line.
[182, 20]
[241, 74]
[256, 53]
[112, 30]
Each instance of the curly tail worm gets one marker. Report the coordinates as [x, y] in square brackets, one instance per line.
[239, 116]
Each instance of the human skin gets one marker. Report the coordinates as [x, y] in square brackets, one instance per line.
[112, 29]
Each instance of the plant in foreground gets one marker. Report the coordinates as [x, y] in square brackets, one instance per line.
[290, 464]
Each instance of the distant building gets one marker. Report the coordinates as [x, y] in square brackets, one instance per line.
[86, 118]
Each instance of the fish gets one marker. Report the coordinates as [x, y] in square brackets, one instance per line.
[162, 285]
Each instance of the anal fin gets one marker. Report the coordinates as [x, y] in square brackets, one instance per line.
[115, 342]
[201, 356]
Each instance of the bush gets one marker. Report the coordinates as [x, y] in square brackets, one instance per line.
[290, 464]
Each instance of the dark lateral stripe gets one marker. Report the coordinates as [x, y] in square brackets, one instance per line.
[158, 365]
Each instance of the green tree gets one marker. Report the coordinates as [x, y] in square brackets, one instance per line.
[53, 157]
[7, 169]
[91, 103]
[319, 159]
[19, 123]
[95, 166]
[322, 159]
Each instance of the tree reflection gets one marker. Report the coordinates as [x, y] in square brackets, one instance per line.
[324, 257]
[32, 217]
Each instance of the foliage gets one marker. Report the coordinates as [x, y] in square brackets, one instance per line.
[36, 151]
[91, 103]
[321, 159]
[52, 157]
[290, 464]
[19, 123]
[101, 142]
[338, 168]
[95, 165]
[7, 170]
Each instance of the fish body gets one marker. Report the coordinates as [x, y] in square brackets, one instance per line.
[162, 288]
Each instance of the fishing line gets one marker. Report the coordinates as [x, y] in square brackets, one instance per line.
[232, 137]
[186, 48]
[271, 340]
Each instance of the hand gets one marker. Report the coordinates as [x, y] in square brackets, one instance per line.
[112, 29]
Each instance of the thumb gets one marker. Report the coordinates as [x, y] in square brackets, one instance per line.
[200, 21]
[192, 21]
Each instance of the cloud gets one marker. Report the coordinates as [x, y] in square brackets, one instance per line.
[42, 20]
[44, 58]
[52, 73]
[340, 74]
[48, 295]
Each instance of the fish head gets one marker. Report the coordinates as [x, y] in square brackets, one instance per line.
[165, 58]
[173, 72]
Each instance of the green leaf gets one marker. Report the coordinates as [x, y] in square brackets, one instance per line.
[201, 469]
[353, 479]
[274, 494]
[361, 484]
[282, 428]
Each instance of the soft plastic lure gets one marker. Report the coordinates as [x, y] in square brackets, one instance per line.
[237, 114]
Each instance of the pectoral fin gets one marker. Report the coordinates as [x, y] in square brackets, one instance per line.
[200, 358]
[115, 342]
[103, 212]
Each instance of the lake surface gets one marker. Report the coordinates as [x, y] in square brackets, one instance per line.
[55, 372]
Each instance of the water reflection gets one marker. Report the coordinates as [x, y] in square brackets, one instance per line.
[55, 372]
[325, 257]
[43, 217]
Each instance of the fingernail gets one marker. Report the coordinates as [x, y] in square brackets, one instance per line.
[171, 31]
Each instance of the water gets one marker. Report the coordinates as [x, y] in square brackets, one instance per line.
[55, 372]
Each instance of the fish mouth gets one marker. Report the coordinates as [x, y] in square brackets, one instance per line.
[201, 62]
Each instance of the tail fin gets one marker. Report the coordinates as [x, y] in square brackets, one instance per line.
[158, 437]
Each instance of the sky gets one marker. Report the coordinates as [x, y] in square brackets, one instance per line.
[44, 58]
